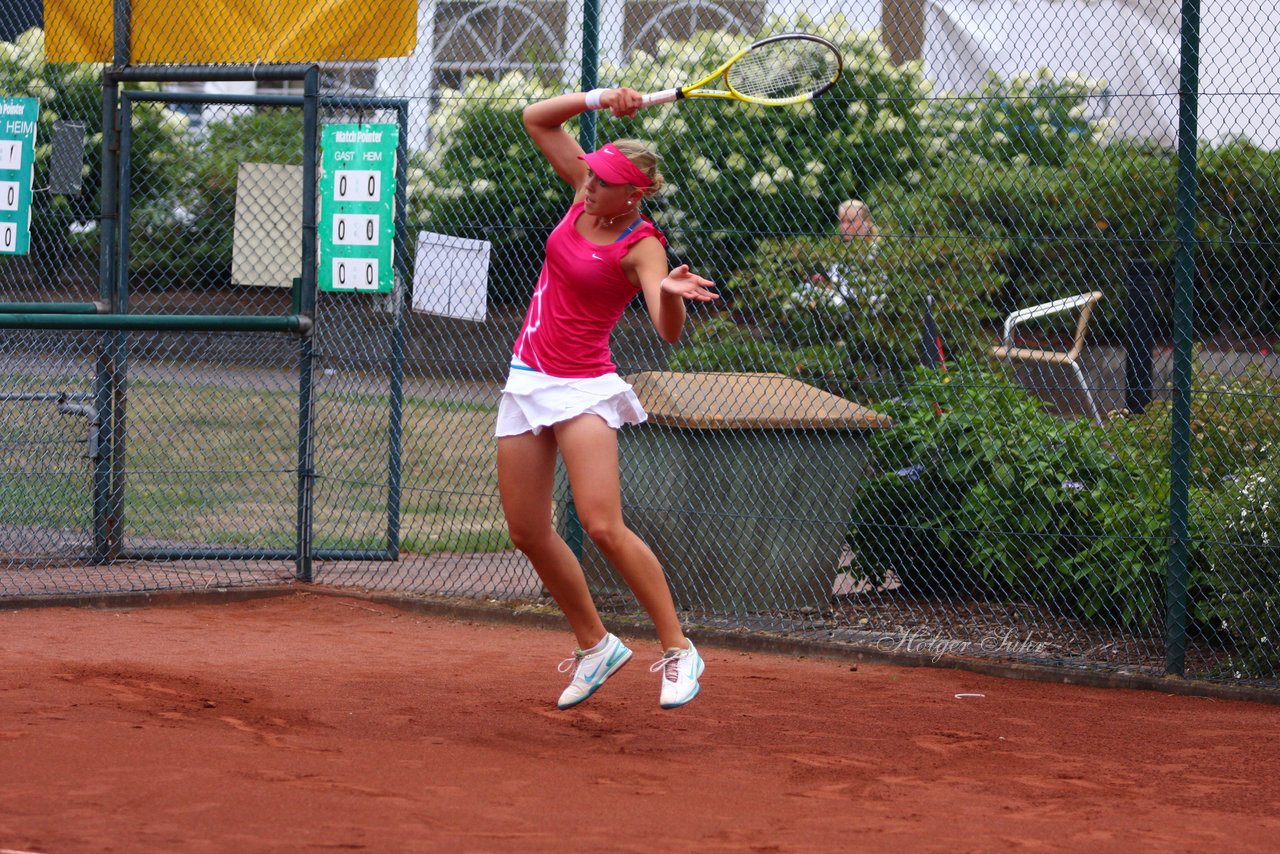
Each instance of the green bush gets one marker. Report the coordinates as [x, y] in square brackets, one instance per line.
[978, 491]
[1071, 229]
[1027, 119]
[1073, 226]
[847, 334]
[1238, 595]
[1239, 256]
[1232, 422]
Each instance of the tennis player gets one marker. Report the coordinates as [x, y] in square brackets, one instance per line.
[563, 392]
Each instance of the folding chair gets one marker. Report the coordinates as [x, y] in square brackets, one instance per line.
[1082, 302]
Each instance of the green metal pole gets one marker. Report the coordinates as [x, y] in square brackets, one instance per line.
[590, 68]
[300, 324]
[1183, 308]
[395, 432]
[120, 338]
[587, 139]
[101, 488]
[51, 307]
[307, 305]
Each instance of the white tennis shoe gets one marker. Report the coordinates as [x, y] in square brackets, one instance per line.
[680, 669]
[590, 670]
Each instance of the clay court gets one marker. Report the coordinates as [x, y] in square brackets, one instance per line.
[313, 722]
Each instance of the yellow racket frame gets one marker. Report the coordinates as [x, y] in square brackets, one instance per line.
[698, 90]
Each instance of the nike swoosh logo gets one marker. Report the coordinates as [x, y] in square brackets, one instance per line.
[597, 257]
[605, 665]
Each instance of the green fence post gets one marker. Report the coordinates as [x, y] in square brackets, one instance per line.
[590, 69]
[395, 433]
[119, 358]
[1183, 316]
[307, 306]
[101, 463]
[587, 138]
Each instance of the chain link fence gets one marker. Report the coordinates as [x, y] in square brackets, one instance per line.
[993, 373]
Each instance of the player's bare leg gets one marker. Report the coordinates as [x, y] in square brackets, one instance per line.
[526, 479]
[590, 451]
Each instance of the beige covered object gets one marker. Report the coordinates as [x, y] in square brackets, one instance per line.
[743, 401]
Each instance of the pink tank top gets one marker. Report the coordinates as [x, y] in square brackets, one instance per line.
[580, 295]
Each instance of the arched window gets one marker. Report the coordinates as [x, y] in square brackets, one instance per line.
[495, 36]
[649, 21]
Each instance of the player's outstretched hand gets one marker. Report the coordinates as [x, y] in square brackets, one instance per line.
[688, 285]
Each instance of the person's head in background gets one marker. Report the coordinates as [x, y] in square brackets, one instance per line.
[855, 221]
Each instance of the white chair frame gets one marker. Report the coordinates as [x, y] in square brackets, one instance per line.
[1084, 303]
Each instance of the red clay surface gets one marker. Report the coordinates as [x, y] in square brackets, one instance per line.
[313, 723]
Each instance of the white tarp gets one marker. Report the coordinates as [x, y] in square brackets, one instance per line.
[451, 276]
[1133, 45]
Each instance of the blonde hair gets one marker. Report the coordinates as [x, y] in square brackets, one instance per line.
[857, 206]
[645, 157]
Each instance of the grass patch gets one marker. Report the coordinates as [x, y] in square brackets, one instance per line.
[214, 464]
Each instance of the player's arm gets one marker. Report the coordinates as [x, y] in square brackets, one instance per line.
[544, 122]
[664, 290]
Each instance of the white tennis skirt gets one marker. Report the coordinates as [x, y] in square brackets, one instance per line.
[532, 400]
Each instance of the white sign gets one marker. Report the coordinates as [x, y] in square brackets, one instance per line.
[451, 276]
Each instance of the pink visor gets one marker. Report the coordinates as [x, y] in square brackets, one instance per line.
[613, 166]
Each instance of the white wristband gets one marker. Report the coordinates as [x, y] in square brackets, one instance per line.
[593, 98]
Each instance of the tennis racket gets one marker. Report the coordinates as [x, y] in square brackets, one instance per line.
[785, 69]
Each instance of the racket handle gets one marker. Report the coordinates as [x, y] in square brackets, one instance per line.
[666, 96]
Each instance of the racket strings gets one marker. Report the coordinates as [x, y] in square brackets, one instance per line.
[783, 70]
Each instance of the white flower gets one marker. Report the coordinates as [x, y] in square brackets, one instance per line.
[762, 183]
[783, 174]
[890, 122]
[481, 185]
[39, 88]
[705, 169]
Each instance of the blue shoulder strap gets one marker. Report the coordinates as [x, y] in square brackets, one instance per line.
[630, 229]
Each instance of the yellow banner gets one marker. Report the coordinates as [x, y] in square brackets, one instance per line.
[234, 31]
